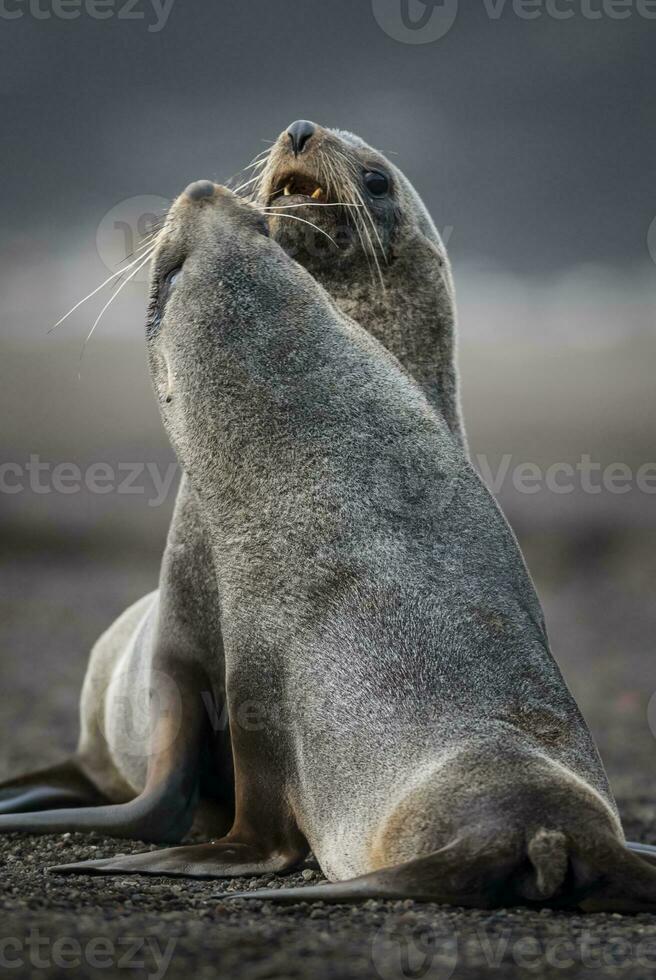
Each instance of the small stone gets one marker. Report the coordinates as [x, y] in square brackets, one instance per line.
[308, 874]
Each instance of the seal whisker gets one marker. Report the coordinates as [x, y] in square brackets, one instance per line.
[352, 183]
[295, 217]
[373, 249]
[260, 160]
[254, 164]
[143, 245]
[143, 262]
[343, 179]
[368, 245]
[342, 176]
[253, 180]
[260, 165]
[373, 225]
[109, 279]
[347, 179]
[256, 159]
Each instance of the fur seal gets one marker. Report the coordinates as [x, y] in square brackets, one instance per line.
[389, 271]
[165, 772]
[413, 728]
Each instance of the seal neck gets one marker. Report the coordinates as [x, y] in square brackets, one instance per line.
[416, 323]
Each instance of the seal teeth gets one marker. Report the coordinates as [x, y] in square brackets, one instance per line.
[296, 185]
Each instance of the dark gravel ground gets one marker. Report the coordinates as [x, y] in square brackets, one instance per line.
[53, 603]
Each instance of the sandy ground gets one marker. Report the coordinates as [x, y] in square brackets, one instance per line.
[596, 591]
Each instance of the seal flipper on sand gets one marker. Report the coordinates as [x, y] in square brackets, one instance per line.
[602, 877]
[220, 860]
[163, 812]
[54, 787]
[264, 838]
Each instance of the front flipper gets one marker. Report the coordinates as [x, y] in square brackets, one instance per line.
[163, 812]
[220, 860]
[62, 785]
[160, 815]
[264, 838]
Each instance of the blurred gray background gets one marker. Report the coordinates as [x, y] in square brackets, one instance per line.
[533, 143]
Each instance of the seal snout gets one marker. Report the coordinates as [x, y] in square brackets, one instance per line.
[300, 132]
[200, 189]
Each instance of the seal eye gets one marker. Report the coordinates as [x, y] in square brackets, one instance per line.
[168, 284]
[376, 183]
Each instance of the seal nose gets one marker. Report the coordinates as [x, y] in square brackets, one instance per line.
[200, 189]
[299, 133]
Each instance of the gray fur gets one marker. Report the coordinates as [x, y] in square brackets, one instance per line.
[412, 312]
[414, 728]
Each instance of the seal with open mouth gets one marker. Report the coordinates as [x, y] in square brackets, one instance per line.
[412, 728]
[372, 244]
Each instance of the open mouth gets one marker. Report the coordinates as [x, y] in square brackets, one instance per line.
[299, 185]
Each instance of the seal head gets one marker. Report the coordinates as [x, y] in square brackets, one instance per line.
[353, 219]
